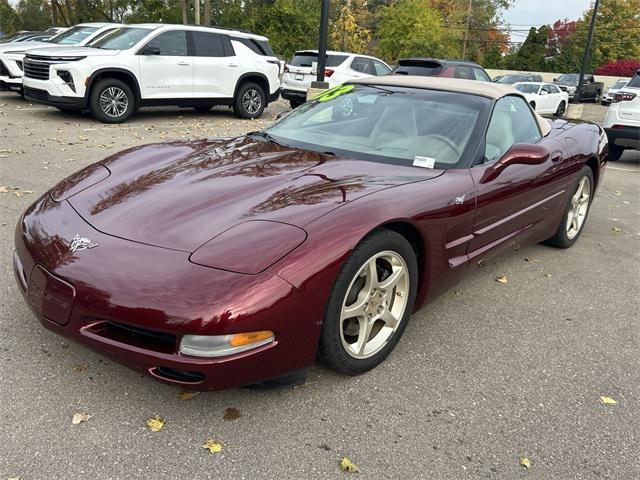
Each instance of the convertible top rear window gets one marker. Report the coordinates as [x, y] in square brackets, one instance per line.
[405, 126]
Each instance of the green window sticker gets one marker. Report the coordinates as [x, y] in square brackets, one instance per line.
[335, 92]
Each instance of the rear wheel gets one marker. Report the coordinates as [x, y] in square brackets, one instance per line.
[575, 212]
[561, 109]
[615, 152]
[370, 304]
[250, 101]
[112, 101]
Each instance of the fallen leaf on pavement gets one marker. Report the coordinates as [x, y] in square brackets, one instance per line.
[187, 395]
[608, 401]
[81, 367]
[212, 446]
[501, 279]
[525, 462]
[80, 417]
[346, 465]
[547, 275]
[155, 424]
[231, 414]
[4, 189]
[617, 193]
[616, 229]
[531, 260]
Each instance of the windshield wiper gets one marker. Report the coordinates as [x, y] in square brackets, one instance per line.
[266, 136]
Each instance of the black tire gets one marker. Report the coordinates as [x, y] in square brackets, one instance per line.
[295, 104]
[533, 105]
[331, 351]
[562, 107]
[615, 152]
[596, 99]
[203, 108]
[561, 239]
[243, 106]
[120, 88]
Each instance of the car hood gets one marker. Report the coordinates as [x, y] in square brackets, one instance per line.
[21, 46]
[179, 195]
[74, 52]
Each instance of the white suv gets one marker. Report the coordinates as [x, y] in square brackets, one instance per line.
[12, 55]
[622, 122]
[340, 67]
[149, 65]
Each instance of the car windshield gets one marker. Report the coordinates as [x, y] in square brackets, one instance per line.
[73, 36]
[399, 125]
[528, 87]
[569, 78]
[15, 37]
[512, 79]
[620, 84]
[635, 82]
[306, 59]
[121, 38]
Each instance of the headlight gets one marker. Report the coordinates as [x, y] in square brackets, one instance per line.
[221, 345]
[249, 247]
[571, 89]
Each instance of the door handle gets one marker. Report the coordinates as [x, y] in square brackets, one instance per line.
[183, 64]
[232, 65]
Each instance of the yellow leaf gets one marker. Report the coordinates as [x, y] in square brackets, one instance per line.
[616, 229]
[184, 395]
[501, 279]
[80, 367]
[531, 260]
[525, 462]
[346, 465]
[80, 417]
[608, 401]
[13, 478]
[212, 446]
[3, 189]
[547, 275]
[155, 424]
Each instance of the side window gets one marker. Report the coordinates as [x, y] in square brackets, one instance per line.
[464, 73]
[381, 68]
[548, 89]
[479, 75]
[171, 44]
[511, 122]
[362, 65]
[208, 44]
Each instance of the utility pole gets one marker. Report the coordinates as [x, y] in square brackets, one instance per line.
[196, 11]
[466, 32]
[207, 12]
[322, 40]
[587, 51]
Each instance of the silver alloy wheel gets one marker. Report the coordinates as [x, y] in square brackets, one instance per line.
[377, 298]
[114, 102]
[579, 207]
[252, 101]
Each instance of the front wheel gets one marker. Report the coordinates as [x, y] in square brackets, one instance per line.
[112, 101]
[370, 304]
[575, 212]
[250, 101]
[561, 109]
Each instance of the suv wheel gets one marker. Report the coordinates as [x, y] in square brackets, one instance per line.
[250, 101]
[112, 101]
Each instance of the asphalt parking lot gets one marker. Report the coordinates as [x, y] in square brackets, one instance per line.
[486, 375]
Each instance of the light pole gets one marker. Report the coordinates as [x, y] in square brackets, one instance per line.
[587, 51]
[466, 32]
[322, 43]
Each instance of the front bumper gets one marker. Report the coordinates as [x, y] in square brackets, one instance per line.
[36, 95]
[294, 95]
[133, 303]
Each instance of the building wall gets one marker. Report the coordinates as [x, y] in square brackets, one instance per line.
[549, 76]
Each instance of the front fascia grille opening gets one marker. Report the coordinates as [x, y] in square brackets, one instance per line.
[179, 375]
[134, 336]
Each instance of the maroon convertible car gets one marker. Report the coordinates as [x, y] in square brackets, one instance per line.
[216, 263]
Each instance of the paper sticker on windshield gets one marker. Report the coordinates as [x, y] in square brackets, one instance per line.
[424, 162]
[334, 93]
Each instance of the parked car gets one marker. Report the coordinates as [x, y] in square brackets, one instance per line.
[17, 37]
[224, 262]
[544, 98]
[591, 90]
[145, 65]
[610, 92]
[340, 67]
[622, 122]
[12, 59]
[512, 78]
[431, 67]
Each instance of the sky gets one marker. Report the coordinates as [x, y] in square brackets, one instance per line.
[526, 13]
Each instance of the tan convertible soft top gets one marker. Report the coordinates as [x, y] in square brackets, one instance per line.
[485, 89]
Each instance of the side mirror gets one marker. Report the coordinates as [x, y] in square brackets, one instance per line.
[150, 51]
[519, 154]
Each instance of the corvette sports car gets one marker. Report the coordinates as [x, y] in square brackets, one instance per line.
[217, 263]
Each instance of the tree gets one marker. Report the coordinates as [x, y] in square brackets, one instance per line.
[347, 32]
[412, 28]
[530, 56]
[493, 57]
[619, 68]
[558, 34]
[34, 14]
[9, 19]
